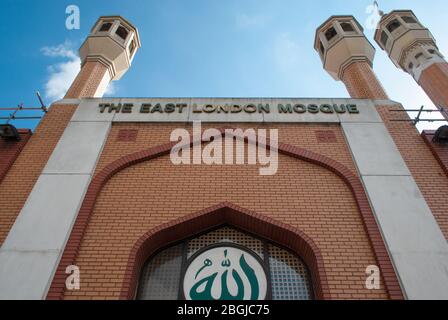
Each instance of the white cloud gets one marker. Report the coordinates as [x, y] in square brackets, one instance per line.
[63, 50]
[111, 89]
[246, 21]
[62, 74]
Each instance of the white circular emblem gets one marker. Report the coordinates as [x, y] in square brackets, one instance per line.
[225, 273]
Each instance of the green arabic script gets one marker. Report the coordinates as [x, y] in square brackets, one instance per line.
[209, 281]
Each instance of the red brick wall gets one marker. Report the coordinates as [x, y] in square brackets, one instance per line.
[22, 176]
[20, 179]
[425, 168]
[87, 81]
[362, 83]
[10, 150]
[440, 151]
[149, 194]
[434, 80]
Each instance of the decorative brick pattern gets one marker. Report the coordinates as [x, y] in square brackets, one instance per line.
[10, 150]
[23, 174]
[154, 134]
[362, 83]
[132, 196]
[127, 135]
[87, 81]
[326, 136]
[434, 80]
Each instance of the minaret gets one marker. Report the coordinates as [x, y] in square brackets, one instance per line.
[412, 48]
[106, 55]
[28, 258]
[348, 56]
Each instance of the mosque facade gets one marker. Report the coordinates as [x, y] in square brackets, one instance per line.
[232, 198]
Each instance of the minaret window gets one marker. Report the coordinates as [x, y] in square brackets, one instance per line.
[330, 33]
[122, 32]
[131, 47]
[409, 19]
[384, 38]
[105, 27]
[347, 27]
[393, 25]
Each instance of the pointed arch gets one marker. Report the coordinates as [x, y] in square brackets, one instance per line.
[225, 213]
[352, 181]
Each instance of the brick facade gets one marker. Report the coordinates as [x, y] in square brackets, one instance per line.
[147, 195]
[10, 150]
[440, 151]
[87, 81]
[362, 83]
[434, 80]
[424, 167]
[23, 174]
[19, 182]
[139, 202]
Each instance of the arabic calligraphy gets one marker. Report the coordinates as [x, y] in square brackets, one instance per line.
[234, 277]
[207, 263]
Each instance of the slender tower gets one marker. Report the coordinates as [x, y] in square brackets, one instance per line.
[106, 55]
[412, 48]
[31, 242]
[348, 56]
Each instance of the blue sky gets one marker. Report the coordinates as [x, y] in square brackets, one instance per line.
[198, 48]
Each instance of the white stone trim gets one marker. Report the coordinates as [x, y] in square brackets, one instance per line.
[67, 101]
[416, 245]
[32, 250]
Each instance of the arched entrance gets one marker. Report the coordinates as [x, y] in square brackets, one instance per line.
[272, 242]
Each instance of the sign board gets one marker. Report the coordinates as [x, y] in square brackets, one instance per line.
[227, 110]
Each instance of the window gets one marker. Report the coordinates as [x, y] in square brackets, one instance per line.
[197, 266]
[321, 47]
[384, 38]
[347, 27]
[409, 19]
[131, 47]
[411, 66]
[330, 33]
[105, 27]
[122, 32]
[419, 55]
[393, 25]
